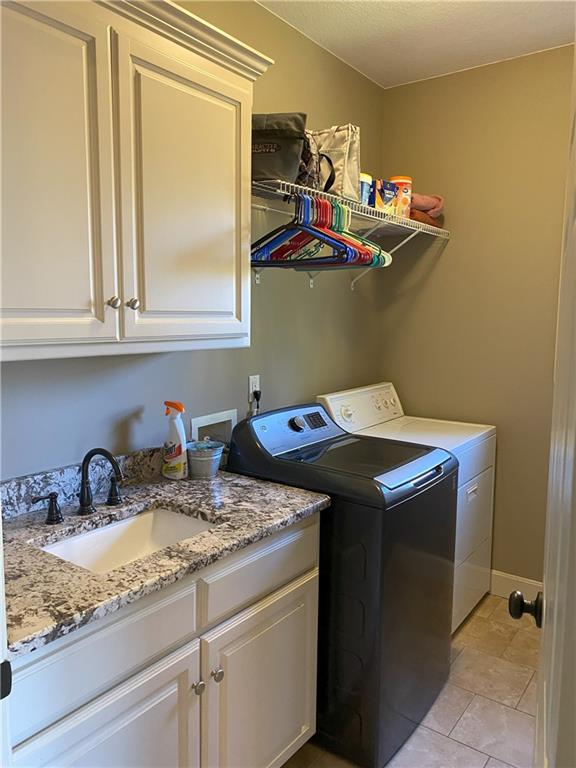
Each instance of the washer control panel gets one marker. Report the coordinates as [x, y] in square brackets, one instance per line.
[364, 407]
[292, 428]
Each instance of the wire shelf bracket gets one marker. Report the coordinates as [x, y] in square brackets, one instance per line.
[391, 251]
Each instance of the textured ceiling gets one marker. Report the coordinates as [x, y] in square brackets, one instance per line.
[400, 41]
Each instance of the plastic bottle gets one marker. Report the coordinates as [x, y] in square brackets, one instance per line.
[174, 456]
[365, 184]
[404, 197]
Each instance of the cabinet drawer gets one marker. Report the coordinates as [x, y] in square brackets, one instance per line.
[471, 582]
[46, 690]
[269, 565]
[476, 459]
[474, 514]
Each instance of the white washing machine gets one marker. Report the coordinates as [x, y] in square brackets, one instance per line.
[376, 411]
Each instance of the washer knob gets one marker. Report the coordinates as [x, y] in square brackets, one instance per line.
[297, 423]
[347, 412]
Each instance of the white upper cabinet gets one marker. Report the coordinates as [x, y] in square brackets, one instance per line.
[126, 180]
[58, 259]
[186, 195]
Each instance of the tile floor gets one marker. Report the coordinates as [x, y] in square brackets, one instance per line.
[484, 717]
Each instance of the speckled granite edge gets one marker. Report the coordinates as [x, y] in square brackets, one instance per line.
[48, 598]
[16, 494]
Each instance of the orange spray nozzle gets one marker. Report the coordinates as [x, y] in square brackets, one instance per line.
[176, 405]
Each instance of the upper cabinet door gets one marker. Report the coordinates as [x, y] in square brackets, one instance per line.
[185, 126]
[58, 250]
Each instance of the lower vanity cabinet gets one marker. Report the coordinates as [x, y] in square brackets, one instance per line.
[259, 705]
[150, 721]
[176, 688]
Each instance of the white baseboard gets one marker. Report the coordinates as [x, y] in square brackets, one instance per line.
[502, 584]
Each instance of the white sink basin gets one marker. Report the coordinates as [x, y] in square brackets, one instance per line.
[116, 544]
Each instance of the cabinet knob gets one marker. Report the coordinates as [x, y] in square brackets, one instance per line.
[114, 302]
[133, 303]
[217, 674]
[199, 687]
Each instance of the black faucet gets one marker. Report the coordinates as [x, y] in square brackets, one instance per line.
[114, 497]
[54, 516]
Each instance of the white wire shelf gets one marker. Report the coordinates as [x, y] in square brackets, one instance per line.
[365, 219]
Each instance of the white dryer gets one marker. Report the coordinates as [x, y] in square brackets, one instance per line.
[376, 411]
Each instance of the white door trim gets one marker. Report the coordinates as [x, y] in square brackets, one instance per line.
[555, 743]
[5, 750]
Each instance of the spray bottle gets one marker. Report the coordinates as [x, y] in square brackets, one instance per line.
[174, 457]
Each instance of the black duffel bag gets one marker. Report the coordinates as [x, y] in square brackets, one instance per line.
[277, 143]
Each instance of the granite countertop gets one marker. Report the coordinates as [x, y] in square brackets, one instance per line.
[47, 597]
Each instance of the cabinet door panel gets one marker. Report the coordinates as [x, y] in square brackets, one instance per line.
[185, 135]
[151, 721]
[58, 258]
[264, 708]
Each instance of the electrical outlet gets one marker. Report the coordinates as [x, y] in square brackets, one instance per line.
[253, 384]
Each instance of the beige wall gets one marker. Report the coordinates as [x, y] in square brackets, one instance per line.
[303, 341]
[469, 334]
[305, 77]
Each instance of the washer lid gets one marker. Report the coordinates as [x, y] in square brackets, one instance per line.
[450, 435]
[389, 462]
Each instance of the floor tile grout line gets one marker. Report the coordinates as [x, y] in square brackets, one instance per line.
[524, 691]
[479, 750]
[490, 757]
[484, 696]
[506, 624]
[496, 606]
[509, 661]
[461, 743]
[488, 653]
[507, 706]
[463, 713]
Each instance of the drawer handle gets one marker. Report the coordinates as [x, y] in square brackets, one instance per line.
[217, 674]
[133, 304]
[114, 302]
[472, 491]
[199, 687]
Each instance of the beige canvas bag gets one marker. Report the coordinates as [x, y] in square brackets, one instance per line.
[342, 145]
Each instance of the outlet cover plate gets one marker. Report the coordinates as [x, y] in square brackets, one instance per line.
[253, 384]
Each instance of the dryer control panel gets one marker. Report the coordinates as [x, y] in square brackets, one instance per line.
[292, 428]
[355, 409]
